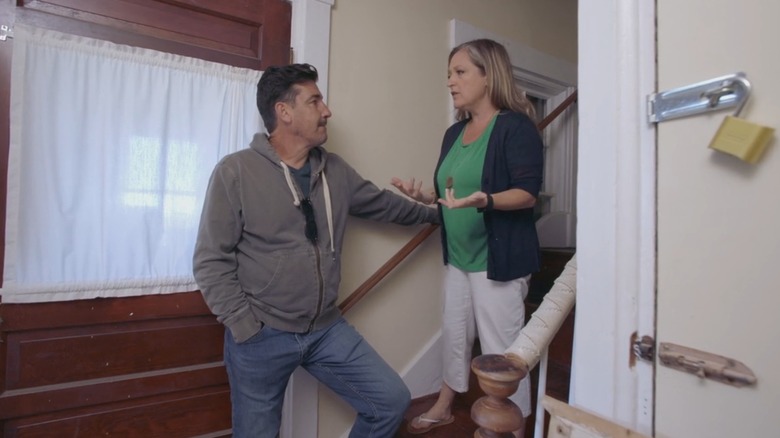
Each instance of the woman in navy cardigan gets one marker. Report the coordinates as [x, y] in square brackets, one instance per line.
[486, 183]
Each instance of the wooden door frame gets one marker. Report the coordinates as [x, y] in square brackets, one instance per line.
[616, 232]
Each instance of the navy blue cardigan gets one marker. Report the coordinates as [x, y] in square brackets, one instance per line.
[514, 159]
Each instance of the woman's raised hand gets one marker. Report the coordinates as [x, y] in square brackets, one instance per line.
[409, 188]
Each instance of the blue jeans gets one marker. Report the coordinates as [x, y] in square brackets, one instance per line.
[338, 356]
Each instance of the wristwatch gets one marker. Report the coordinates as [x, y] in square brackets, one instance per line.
[488, 206]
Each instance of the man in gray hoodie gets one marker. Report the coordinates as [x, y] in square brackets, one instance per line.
[268, 262]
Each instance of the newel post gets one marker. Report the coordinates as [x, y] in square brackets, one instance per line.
[499, 377]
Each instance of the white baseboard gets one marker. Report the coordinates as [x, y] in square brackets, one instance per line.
[423, 374]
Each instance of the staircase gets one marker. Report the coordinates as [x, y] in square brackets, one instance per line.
[558, 369]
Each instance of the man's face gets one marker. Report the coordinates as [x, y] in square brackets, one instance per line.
[309, 115]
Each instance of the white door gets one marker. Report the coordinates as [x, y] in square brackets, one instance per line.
[718, 286]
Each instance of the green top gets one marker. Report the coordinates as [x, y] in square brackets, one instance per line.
[466, 233]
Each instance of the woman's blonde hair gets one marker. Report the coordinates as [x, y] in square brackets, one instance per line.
[493, 61]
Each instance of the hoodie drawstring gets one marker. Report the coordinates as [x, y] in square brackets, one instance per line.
[328, 211]
[290, 185]
[297, 200]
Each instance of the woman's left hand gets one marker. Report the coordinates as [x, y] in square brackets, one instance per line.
[476, 199]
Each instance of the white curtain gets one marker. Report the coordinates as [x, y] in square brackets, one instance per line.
[111, 150]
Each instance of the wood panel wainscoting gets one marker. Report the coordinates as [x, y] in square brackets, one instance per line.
[133, 367]
[143, 366]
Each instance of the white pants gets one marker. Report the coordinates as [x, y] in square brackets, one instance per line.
[493, 309]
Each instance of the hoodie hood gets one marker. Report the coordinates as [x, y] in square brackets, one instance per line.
[261, 145]
[317, 159]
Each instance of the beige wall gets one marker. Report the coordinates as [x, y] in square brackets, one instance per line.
[390, 106]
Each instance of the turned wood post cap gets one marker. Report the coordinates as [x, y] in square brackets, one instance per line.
[498, 367]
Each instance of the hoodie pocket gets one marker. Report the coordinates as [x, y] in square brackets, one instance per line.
[283, 284]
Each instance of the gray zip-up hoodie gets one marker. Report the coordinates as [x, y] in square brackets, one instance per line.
[253, 262]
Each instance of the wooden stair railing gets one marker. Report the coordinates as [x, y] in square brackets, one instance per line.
[418, 239]
[558, 110]
[385, 269]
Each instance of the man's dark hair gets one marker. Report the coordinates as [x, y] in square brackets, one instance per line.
[276, 85]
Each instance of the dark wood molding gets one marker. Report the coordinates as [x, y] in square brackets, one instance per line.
[251, 34]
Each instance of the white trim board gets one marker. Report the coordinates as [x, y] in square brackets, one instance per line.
[423, 374]
[616, 211]
[310, 40]
[310, 36]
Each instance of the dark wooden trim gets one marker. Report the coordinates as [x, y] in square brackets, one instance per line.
[196, 413]
[246, 34]
[43, 399]
[272, 53]
[16, 317]
[103, 364]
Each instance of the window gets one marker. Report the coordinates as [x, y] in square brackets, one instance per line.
[111, 151]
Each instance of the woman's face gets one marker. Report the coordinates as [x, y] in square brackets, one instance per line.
[467, 84]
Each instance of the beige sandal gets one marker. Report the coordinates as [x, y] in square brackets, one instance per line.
[428, 424]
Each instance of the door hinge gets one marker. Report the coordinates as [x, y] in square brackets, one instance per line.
[644, 348]
[292, 55]
[706, 365]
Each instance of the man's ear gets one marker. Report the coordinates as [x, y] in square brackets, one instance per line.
[282, 112]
